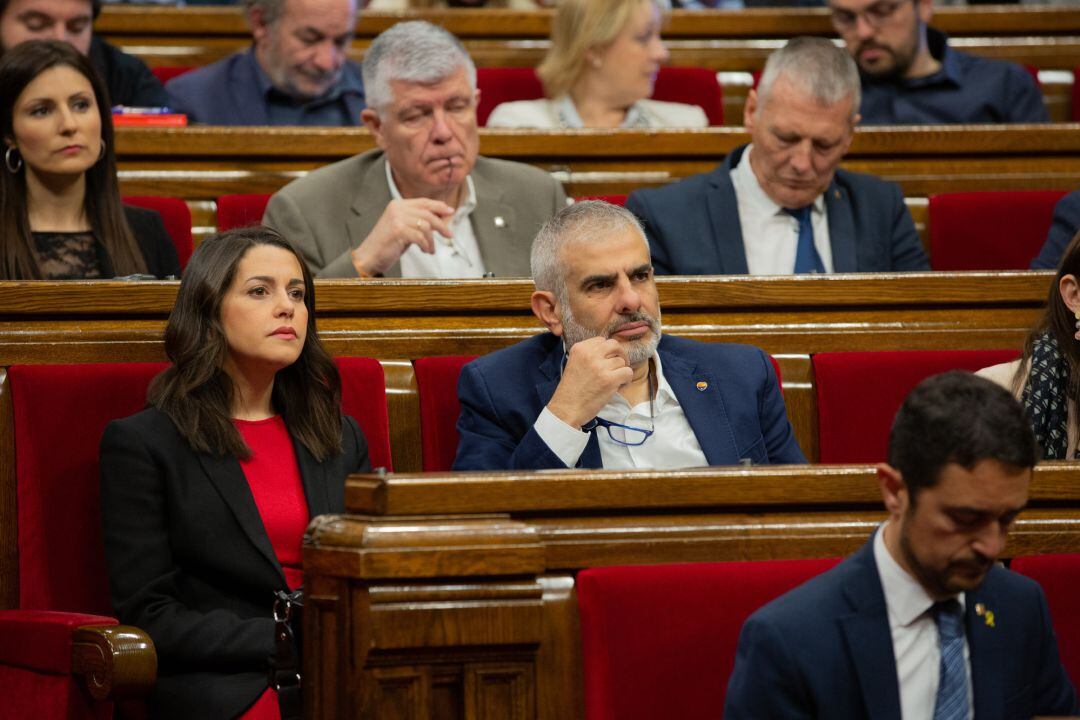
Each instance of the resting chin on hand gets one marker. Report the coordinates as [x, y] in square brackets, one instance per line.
[595, 370]
[403, 223]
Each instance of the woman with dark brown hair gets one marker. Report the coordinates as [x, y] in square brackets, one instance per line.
[60, 211]
[1047, 378]
[206, 494]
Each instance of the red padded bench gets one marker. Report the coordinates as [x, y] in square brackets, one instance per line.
[1059, 576]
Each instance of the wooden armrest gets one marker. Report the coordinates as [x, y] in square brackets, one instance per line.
[117, 662]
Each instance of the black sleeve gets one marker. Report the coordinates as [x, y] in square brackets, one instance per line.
[154, 240]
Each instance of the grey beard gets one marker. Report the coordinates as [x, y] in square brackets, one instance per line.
[638, 351]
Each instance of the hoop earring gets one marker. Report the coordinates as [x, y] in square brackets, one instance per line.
[101, 155]
[1076, 314]
[16, 166]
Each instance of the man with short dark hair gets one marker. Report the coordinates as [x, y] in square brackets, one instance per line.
[781, 205]
[126, 77]
[921, 622]
[603, 388]
[1063, 227]
[296, 72]
[910, 74]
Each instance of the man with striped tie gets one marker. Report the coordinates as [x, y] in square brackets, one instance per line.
[921, 622]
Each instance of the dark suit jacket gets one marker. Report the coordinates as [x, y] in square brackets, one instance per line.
[740, 414]
[1065, 224]
[127, 78]
[154, 241]
[190, 561]
[825, 650]
[693, 225]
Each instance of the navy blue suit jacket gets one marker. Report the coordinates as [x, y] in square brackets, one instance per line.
[825, 650]
[693, 225]
[1065, 224]
[739, 414]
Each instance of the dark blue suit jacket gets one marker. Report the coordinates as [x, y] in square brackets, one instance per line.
[825, 650]
[693, 225]
[1066, 223]
[740, 414]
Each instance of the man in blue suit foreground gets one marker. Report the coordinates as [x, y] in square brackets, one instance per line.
[602, 388]
[780, 205]
[921, 622]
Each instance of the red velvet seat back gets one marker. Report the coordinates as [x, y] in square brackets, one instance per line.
[989, 230]
[165, 74]
[1059, 576]
[693, 86]
[619, 200]
[436, 384]
[176, 215]
[235, 211]
[363, 396]
[60, 412]
[658, 641]
[858, 393]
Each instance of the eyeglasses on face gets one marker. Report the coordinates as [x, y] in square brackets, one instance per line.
[875, 16]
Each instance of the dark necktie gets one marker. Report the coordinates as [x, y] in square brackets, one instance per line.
[807, 259]
[952, 696]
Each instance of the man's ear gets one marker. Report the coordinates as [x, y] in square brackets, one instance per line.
[925, 10]
[893, 489]
[373, 122]
[256, 18]
[546, 309]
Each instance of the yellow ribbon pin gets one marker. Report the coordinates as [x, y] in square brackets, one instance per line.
[985, 613]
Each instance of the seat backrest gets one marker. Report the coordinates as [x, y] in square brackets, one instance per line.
[165, 74]
[659, 640]
[235, 211]
[176, 215]
[693, 86]
[436, 385]
[858, 393]
[60, 412]
[989, 230]
[1059, 576]
[363, 396]
[619, 200]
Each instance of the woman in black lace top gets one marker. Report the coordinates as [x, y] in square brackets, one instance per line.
[60, 210]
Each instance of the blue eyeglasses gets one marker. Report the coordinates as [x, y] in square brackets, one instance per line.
[622, 434]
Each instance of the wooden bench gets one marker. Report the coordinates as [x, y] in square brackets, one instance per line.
[454, 595]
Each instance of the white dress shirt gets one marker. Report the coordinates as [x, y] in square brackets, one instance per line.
[914, 636]
[771, 236]
[673, 443]
[456, 257]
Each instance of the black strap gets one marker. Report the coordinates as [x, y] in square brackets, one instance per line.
[285, 663]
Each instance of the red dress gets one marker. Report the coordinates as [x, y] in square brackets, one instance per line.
[274, 478]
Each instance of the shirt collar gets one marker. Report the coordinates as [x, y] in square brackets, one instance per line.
[464, 208]
[665, 396]
[905, 597]
[569, 117]
[349, 82]
[747, 181]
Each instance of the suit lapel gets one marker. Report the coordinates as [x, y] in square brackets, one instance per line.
[492, 222]
[724, 219]
[254, 111]
[551, 370]
[227, 476]
[987, 660]
[313, 475]
[704, 409]
[869, 640]
[841, 229]
[372, 197]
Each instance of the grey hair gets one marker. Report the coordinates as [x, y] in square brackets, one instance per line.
[585, 221]
[271, 9]
[415, 51]
[817, 66]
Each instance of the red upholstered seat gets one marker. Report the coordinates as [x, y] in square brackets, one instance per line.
[693, 86]
[1076, 96]
[235, 211]
[1059, 576]
[989, 230]
[658, 641]
[619, 200]
[436, 384]
[177, 218]
[858, 393]
[165, 74]
[363, 396]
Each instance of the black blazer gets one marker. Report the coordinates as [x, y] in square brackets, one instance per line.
[190, 562]
[154, 241]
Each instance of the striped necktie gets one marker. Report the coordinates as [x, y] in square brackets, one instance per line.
[952, 695]
[807, 259]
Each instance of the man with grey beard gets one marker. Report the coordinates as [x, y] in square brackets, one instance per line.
[603, 388]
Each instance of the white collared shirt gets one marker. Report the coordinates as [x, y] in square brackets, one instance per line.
[673, 443]
[771, 236]
[456, 257]
[915, 641]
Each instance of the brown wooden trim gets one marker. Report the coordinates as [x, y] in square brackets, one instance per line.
[117, 662]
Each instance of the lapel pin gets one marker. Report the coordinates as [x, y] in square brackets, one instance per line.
[836, 194]
[499, 222]
[702, 386]
[986, 614]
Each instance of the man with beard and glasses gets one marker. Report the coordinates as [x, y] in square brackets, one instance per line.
[424, 204]
[781, 205]
[295, 73]
[921, 622]
[910, 74]
[603, 388]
